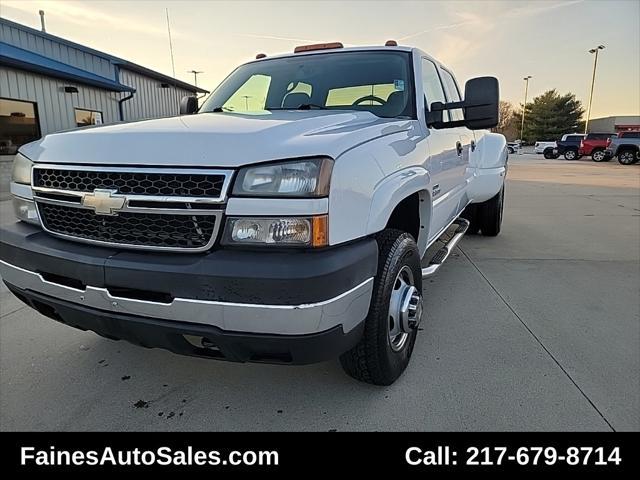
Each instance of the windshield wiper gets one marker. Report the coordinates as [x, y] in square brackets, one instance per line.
[311, 106]
[304, 106]
[220, 110]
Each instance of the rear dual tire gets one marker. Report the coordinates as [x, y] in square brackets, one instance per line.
[486, 217]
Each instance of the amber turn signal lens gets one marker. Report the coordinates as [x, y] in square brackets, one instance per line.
[320, 235]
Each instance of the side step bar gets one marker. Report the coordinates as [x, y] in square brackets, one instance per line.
[442, 254]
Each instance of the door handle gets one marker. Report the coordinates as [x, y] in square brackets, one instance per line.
[459, 148]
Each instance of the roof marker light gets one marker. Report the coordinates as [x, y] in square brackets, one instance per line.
[317, 46]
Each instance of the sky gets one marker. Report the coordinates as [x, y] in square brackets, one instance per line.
[547, 39]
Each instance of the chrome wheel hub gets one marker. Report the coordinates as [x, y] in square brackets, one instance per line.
[405, 309]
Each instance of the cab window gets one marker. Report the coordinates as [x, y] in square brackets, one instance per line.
[453, 93]
[432, 86]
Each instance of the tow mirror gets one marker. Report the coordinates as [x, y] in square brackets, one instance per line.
[188, 105]
[480, 106]
[481, 99]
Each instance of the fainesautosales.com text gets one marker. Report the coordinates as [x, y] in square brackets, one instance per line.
[146, 457]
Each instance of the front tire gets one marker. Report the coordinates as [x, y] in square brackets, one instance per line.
[598, 155]
[570, 155]
[384, 351]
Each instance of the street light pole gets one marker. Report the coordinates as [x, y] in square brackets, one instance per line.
[524, 106]
[195, 76]
[593, 81]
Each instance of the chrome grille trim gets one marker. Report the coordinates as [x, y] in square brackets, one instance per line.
[161, 201]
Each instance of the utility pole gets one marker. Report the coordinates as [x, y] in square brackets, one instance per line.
[524, 106]
[593, 81]
[173, 67]
[246, 101]
[195, 76]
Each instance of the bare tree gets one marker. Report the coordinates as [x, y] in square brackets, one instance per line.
[506, 124]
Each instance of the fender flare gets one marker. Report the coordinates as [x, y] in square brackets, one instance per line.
[392, 190]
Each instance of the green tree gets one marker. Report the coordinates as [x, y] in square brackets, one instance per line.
[551, 115]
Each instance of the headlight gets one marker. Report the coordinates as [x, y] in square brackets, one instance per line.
[21, 170]
[300, 178]
[285, 231]
[25, 210]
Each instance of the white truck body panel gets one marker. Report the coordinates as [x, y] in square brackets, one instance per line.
[378, 161]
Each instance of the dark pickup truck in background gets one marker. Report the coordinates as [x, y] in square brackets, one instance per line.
[568, 146]
[594, 144]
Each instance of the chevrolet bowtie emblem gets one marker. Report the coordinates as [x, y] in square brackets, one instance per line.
[103, 201]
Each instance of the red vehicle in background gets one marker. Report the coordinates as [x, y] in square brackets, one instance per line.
[594, 144]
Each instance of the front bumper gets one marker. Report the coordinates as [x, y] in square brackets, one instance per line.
[195, 339]
[608, 153]
[230, 294]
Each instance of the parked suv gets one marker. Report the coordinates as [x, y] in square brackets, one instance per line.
[284, 221]
[568, 146]
[626, 147]
[594, 144]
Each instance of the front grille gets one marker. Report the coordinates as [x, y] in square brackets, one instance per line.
[157, 230]
[132, 183]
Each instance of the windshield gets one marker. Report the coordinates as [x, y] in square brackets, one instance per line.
[379, 82]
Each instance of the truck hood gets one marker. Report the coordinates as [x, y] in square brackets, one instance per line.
[215, 139]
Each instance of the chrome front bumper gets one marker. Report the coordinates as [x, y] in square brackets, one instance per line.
[347, 309]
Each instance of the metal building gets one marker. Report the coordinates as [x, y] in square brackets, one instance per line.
[48, 84]
[621, 123]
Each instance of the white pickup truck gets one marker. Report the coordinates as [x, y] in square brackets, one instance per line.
[284, 221]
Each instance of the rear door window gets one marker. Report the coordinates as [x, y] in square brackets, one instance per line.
[454, 94]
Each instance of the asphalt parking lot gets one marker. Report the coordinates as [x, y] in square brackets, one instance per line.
[537, 329]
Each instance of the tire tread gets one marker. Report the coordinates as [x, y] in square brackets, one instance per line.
[363, 362]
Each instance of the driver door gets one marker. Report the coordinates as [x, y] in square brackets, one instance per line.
[444, 161]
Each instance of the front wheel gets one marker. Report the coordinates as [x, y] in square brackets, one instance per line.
[598, 156]
[570, 155]
[391, 326]
[627, 157]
